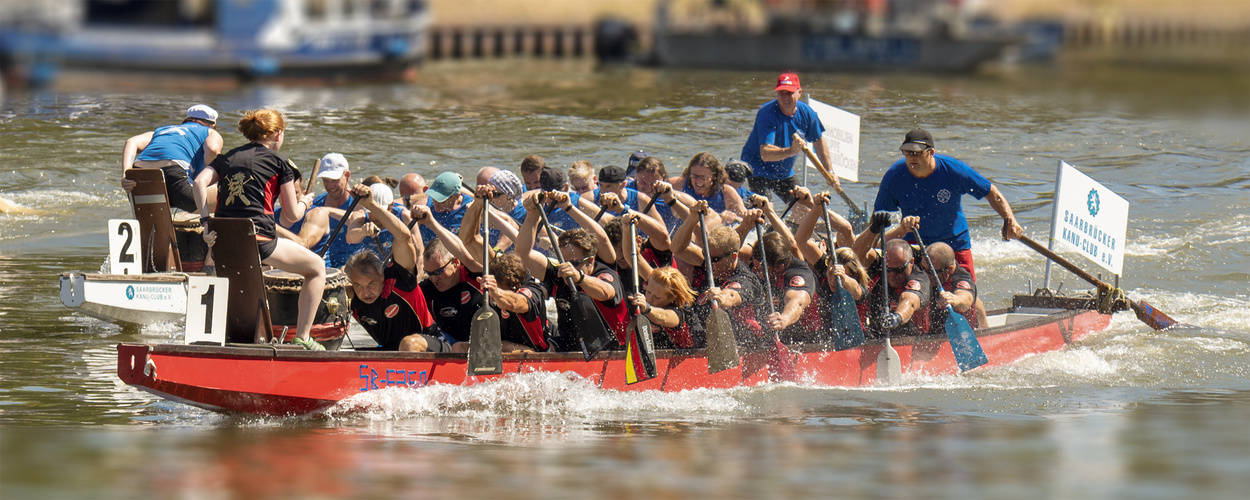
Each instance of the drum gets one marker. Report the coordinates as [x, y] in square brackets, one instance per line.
[190, 236]
[330, 322]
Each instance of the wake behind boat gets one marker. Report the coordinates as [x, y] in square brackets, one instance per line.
[282, 379]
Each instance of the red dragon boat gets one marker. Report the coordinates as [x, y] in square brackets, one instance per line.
[280, 379]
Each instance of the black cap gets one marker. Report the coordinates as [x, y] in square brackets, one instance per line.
[737, 170]
[552, 179]
[611, 174]
[917, 140]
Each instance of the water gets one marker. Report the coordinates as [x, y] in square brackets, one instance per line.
[1127, 413]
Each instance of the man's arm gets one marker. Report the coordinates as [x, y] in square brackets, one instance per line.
[130, 151]
[796, 302]
[1011, 228]
[402, 249]
[450, 241]
[605, 250]
[534, 260]
[821, 147]
[212, 146]
[207, 177]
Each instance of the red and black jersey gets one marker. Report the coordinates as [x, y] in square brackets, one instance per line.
[531, 328]
[613, 310]
[249, 178]
[398, 312]
[960, 280]
[743, 316]
[688, 334]
[453, 309]
[798, 277]
[917, 284]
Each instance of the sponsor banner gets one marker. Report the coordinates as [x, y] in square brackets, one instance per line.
[1089, 218]
[842, 136]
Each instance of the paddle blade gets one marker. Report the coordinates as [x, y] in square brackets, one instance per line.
[1152, 317]
[782, 362]
[844, 319]
[964, 343]
[722, 348]
[639, 356]
[889, 366]
[485, 351]
[591, 330]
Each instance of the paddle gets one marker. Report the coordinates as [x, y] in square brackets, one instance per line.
[964, 343]
[859, 218]
[485, 347]
[787, 210]
[1147, 313]
[843, 316]
[722, 347]
[782, 360]
[640, 351]
[583, 315]
[889, 367]
[339, 227]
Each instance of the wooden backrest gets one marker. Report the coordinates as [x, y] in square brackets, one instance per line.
[157, 240]
[238, 260]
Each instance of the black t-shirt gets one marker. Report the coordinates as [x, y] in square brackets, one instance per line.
[532, 328]
[743, 317]
[688, 334]
[612, 311]
[917, 284]
[398, 312]
[249, 180]
[960, 280]
[453, 309]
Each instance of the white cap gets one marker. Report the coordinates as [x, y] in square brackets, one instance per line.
[332, 166]
[382, 195]
[202, 112]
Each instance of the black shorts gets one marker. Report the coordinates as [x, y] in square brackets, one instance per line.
[266, 247]
[764, 186]
[178, 187]
[436, 343]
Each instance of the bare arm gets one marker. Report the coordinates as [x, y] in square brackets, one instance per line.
[534, 260]
[130, 151]
[207, 177]
[821, 148]
[605, 250]
[1011, 228]
[796, 302]
[402, 249]
[450, 241]
[212, 146]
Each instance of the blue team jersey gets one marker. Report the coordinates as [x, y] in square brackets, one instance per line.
[775, 128]
[561, 219]
[666, 212]
[935, 199]
[449, 220]
[630, 201]
[340, 249]
[716, 202]
[183, 143]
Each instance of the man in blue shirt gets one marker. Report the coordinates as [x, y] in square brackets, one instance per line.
[782, 128]
[930, 186]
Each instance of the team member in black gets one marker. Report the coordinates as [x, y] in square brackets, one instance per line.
[389, 301]
[906, 313]
[959, 289]
[451, 287]
[521, 303]
[797, 319]
[252, 177]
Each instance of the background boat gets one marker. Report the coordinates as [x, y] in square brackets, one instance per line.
[224, 41]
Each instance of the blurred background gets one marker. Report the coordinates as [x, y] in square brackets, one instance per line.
[209, 43]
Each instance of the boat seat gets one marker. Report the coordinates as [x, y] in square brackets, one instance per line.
[157, 240]
[238, 259]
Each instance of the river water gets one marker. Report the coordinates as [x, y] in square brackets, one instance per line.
[1126, 413]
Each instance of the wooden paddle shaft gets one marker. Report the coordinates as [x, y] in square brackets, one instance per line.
[828, 175]
[1063, 262]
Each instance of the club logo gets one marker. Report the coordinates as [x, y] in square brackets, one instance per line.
[464, 297]
[605, 277]
[797, 281]
[1092, 202]
[391, 311]
[130, 292]
[943, 196]
[913, 285]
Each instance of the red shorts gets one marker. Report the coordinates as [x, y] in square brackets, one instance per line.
[964, 258]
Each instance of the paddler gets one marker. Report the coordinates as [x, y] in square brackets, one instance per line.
[783, 126]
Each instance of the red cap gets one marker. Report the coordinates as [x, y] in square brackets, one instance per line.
[788, 82]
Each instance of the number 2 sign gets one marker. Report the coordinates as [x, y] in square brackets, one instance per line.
[206, 315]
[124, 247]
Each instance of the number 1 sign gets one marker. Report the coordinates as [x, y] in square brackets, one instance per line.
[206, 316]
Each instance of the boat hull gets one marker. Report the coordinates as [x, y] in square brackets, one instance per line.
[120, 298]
[280, 380]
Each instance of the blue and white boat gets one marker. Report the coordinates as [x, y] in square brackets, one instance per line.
[235, 40]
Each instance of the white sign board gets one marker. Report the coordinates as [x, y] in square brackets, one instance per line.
[1089, 218]
[206, 310]
[842, 136]
[124, 247]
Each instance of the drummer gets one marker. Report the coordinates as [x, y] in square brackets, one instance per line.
[248, 174]
[389, 302]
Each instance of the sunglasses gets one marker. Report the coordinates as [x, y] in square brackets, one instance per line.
[915, 153]
[719, 258]
[900, 269]
[441, 269]
[583, 261]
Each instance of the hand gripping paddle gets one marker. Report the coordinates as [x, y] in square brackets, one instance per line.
[485, 347]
